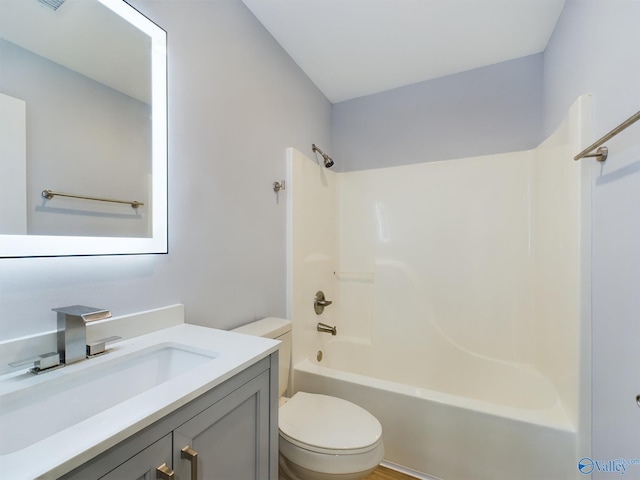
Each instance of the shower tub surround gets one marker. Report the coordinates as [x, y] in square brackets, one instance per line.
[459, 302]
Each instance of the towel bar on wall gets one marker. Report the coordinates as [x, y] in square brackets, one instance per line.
[602, 152]
[49, 194]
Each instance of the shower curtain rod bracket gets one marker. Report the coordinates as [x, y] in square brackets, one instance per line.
[601, 154]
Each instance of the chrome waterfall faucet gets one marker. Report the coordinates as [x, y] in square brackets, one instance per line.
[71, 338]
[72, 330]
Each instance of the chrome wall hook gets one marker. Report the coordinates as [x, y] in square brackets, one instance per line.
[277, 186]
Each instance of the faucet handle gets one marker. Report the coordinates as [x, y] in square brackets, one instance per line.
[96, 348]
[45, 362]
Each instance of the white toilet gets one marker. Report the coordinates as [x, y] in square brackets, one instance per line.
[321, 437]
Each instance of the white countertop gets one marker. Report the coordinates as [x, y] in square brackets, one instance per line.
[65, 450]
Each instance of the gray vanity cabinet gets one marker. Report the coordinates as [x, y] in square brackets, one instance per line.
[233, 429]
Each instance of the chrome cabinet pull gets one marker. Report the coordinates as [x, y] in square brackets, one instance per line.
[190, 454]
[164, 473]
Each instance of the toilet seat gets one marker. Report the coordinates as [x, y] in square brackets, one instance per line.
[328, 451]
[329, 425]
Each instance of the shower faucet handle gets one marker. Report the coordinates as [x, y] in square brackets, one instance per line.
[320, 302]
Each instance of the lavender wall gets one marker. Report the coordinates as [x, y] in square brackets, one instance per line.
[494, 109]
[236, 102]
[596, 49]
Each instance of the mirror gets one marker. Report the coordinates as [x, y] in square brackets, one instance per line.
[83, 129]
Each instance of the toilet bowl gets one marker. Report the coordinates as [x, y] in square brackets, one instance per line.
[321, 437]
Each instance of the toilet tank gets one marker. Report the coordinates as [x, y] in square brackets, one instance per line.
[278, 329]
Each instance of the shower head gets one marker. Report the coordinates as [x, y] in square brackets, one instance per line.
[328, 162]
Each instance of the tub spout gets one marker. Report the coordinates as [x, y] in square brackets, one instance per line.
[324, 328]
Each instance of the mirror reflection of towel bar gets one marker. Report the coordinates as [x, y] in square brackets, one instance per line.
[49, 194]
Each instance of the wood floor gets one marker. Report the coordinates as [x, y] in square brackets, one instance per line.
[384, 473]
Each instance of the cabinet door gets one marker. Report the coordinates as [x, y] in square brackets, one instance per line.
[143, 465]
[231, 437]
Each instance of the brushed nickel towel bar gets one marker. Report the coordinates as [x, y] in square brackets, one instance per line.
[602, 152]
[49, 194]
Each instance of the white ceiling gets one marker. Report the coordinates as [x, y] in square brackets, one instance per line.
[352, 48]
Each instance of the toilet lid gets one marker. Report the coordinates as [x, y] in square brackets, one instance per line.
[328, 422]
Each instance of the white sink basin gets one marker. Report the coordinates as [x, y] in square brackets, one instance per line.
[34, 413]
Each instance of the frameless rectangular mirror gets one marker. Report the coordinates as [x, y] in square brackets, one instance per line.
[83, 129]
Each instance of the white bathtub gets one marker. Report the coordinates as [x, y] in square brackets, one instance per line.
[447, 424]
